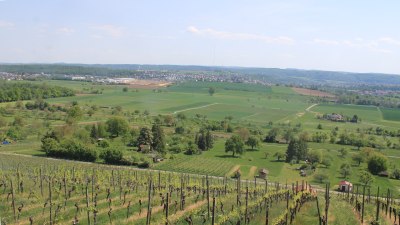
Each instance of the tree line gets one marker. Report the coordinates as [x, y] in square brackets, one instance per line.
[10, 92]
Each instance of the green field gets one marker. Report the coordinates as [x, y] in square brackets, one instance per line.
[391, 114]
[251, 106]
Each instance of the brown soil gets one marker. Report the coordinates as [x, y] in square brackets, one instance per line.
[148, 84]
[252, 171]
[304, 91]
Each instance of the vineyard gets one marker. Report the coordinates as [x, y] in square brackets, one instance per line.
[43, 191]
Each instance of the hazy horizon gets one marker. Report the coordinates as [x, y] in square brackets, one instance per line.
[356, 36]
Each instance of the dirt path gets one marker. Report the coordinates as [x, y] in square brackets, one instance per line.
[234, 169]
[200, 107]
[255, 114]
[179, 214]
[143, 214]
[309, 108]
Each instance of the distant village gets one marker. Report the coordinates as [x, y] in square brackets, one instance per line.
[168, 76]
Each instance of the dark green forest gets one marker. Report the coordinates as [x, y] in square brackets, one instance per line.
[26, 91]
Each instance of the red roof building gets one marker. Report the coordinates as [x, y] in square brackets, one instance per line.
[345, 186]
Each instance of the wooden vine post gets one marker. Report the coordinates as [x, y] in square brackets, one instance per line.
[13, 200]
[148, 217]
[377, 206]
[208, 196]
[87, 203]
[50, 200]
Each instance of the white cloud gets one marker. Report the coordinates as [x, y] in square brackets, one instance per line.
[110, 30]
[6, 24]
[65, 30]
[238, 36]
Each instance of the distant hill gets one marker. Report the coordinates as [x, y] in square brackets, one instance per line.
[273, 75]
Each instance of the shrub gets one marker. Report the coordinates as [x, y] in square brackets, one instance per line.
[103, 144]
[112, 156]
[377, 164]
[179, 130]
[145, 164]
[396, 174]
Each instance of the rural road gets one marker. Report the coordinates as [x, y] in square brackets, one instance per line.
[204, 106]
[309, 108]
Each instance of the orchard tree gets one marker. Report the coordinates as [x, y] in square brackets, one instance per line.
[74, 114]
[366, 178]
[252, 142]
[169, 120]
[288, 135]
[314, 156]
[117, 126]
[343, 152]
[235, 145]
[279, 155]
[243, 133]
[326, 161]
[358, 158]
[345, 169]
[272, 135]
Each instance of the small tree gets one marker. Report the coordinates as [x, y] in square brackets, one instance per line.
[191, 149]
[158, 143]
[366, 178]
[314, 156]
[327, 162]
[272, 135]
[279, 155]
[252, 142]
[343, 152]
[243, 133]
[117, 126]
[377, 163]
[235, 145]
[345, 169]
[211, 91]
[125, 89]
[319, 127]
[358, 158]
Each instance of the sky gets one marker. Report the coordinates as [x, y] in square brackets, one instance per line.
[339, 35]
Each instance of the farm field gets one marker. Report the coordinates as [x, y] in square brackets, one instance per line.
[254, 107]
